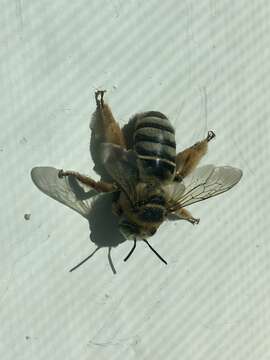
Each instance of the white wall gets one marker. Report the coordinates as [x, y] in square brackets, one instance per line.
[212, 300]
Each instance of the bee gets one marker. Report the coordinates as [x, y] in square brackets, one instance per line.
[150, 181]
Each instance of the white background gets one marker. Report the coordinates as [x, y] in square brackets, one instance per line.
[206, 65]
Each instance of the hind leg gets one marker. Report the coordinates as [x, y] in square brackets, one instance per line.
[99, 186]
[188, 159]
[106, 127]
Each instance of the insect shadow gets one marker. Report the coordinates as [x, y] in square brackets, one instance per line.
[102, 233]
[103, 224]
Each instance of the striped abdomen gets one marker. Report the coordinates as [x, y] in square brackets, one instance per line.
[154, 143]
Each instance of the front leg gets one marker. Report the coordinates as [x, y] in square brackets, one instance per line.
[188, 159]
[99, 186]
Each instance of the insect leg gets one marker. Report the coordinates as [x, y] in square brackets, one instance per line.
[188, 159]
[131, 251]
[116, 208]
[186, 215]
[155, 252]
[106, 126]
[99, 186]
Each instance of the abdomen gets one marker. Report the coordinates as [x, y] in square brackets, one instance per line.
[154, 143]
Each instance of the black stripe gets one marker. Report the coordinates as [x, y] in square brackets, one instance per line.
[158, 155]
[159, 169]
[154, 114]
[156, 140]
[148, 124]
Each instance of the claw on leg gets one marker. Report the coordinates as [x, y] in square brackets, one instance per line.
[210, 135]
[193, 221]
[178, 177]
[99, 94]
[63, 173]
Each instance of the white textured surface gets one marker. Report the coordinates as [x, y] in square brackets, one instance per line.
[213, 299]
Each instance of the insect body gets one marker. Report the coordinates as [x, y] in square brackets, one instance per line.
[154, 143]
[142, 208]
[151, 182]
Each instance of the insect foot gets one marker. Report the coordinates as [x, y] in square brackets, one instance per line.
[210, 135]
[99, 94]
[178, 177]
[61, 174]
[194, 221]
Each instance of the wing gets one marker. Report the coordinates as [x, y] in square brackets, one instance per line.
[205, 182]
[173, 193]
[66, 190]
[121, 164]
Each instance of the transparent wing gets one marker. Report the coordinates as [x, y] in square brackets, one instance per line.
[205, 182]
[121, 164]
[173, 193]
[66, 190]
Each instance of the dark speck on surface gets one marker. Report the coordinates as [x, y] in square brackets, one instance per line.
[23, 141]
[27, 216]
